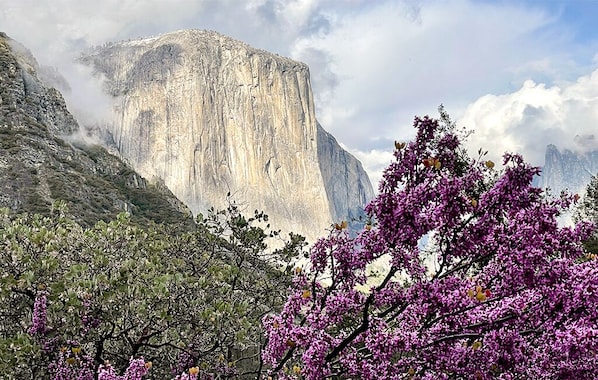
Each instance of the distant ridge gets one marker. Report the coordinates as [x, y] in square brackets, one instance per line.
[567, 170]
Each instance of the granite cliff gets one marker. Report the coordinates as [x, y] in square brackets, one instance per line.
[209, 115]
[41, 160]
[347, 186]
[567, 170]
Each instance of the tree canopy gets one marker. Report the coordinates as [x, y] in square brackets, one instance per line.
[119, 296]
[481, 280]
[461, 271]
[587, 209]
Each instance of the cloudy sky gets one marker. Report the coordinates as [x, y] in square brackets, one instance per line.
[522, 74]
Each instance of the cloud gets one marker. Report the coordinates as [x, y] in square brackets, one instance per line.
[374, 65]
[374, 162]
[529, 119]
[394, 60]
[323, 78]
[387, 63]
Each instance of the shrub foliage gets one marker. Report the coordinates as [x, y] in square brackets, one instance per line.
[75, 298]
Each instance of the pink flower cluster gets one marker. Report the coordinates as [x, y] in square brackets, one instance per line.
[482, 282]
[72, 364]
[40, 310]
[136, 370]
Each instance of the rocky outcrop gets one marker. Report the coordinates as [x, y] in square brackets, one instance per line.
[23, 96]
[41, 161]
[567, 170]
[347, 188]
[211, 116]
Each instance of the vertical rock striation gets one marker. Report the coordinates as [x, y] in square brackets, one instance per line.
[209, 115]
[24, 97]
[347, 188]
[567, 170]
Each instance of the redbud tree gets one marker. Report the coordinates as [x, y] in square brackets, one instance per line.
[481, 280]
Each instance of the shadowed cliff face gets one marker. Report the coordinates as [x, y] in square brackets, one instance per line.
[347, 188]
[209, 115]
[23, 97]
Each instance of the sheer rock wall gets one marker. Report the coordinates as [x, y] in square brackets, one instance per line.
[209, 115]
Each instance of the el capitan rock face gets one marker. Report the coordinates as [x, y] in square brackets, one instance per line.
[209, 115]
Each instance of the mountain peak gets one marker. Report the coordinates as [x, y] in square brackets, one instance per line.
[196, 39]
[567, 170]
[25, 96]
[210, 115]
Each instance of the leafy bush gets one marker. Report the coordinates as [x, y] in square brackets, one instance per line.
[118, 291]
[587, 209]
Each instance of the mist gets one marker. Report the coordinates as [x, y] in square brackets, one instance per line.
[374, 65]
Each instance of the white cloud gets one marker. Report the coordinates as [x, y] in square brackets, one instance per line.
[396, 59]
[529, 119]
[374, 162]
[374, 65]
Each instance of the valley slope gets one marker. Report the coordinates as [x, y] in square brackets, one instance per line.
[41, 160]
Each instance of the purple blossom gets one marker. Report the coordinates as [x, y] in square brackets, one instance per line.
[72, 364]
[136, 370]
[505, 291]
[40, 310]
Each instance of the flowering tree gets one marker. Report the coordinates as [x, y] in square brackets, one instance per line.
[481, 281]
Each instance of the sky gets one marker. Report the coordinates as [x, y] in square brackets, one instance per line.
[521, 74]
